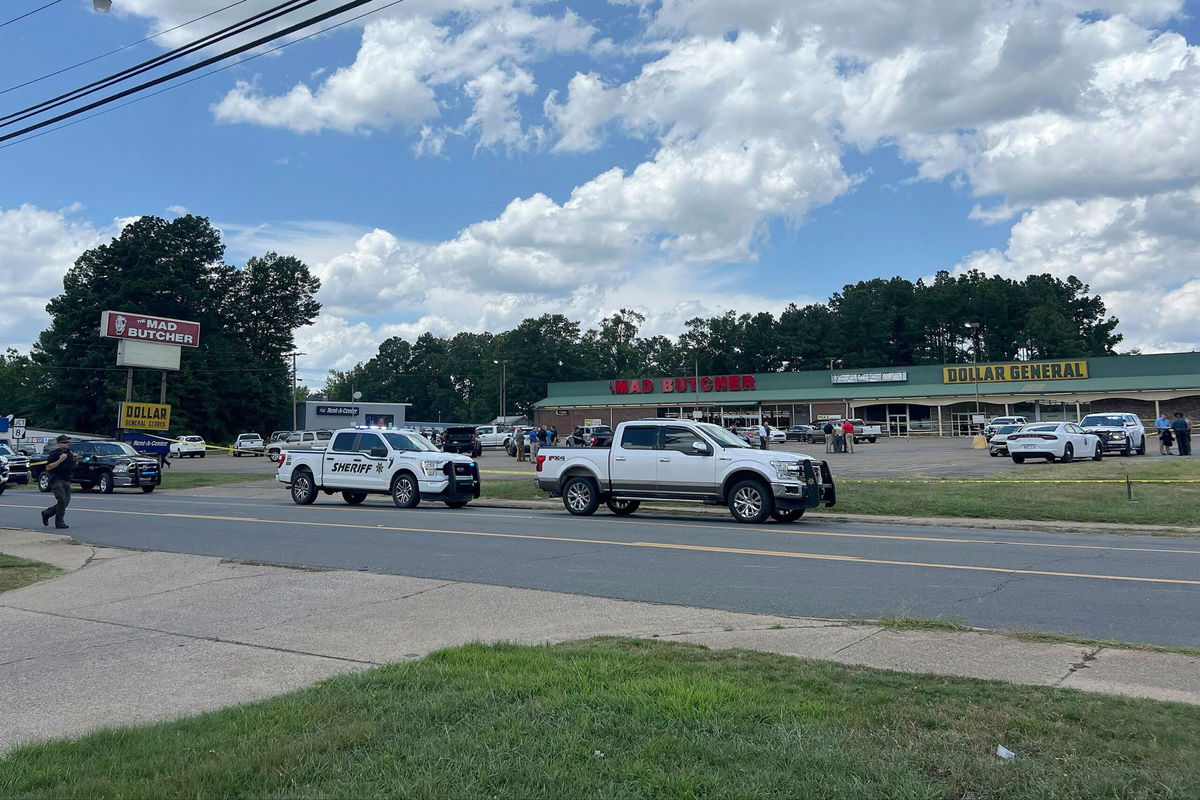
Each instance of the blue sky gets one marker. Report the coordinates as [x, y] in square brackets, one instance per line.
[455, 166]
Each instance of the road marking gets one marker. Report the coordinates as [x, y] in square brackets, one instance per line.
[659, 546]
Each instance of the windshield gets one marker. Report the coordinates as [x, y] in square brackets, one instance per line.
[4, 451]
[1009, 428]
[114, 449]
[410, 441]
[1092, 420]
[1052, 427]
[722, 436]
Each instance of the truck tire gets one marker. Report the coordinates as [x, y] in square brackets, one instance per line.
[622, 508]
[787, 514]
[456, 503]
[1141, 448]
[750, 501]
[406, 492]
[105, 483]
[147, 489]
[581, 496]
[354, 498]
[43, 482]
[304, 488]
[871, 439]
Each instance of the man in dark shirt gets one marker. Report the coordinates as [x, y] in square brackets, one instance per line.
[1183, 434]
[59, 468]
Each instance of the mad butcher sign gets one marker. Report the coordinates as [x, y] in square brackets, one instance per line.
[145, 328]
[690, 384]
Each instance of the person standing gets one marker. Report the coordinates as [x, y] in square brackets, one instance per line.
[535, 441]
[763, 436]
[848, 436]
[59, 468]
[1165, 440]
[828, 431]
[519, 443]
[1183, 434]
[1162, 424]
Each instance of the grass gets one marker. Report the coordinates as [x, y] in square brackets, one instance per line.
[17, 572]
[1010, 495]
[194, 480]
[633, 719]
[918, 624]
[1057, 638]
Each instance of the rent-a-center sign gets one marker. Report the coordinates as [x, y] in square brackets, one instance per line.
[693, 384]
[145, 328]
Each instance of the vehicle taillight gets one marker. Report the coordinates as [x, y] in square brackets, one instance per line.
[540, 460]
[593, 441]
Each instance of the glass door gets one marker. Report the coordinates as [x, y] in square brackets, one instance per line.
[897, 425]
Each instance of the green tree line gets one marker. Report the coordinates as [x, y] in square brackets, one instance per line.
[880, 322]
[236, 380]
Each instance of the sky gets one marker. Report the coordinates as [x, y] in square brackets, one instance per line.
[460, 165]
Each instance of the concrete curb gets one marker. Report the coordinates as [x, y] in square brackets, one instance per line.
[131, 637]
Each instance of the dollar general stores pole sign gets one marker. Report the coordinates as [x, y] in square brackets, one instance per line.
[1000, 373]
[144, 417]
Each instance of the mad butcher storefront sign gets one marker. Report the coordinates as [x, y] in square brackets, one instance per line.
[690, 384]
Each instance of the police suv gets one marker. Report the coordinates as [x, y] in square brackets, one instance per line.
[392, 461]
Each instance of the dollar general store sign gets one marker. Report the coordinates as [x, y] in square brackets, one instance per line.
[998, 373]
[144, 417]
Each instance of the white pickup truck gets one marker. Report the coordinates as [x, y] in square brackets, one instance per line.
[400, 463]
[674, 459]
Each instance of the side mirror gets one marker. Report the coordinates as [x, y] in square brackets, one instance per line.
[700, 448]
[378, 452]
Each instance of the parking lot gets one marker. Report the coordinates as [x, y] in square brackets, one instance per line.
[888, 458]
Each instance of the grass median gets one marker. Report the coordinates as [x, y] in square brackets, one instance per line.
[632, 718]
[18, 572]
[1101, 496]
[196, 480]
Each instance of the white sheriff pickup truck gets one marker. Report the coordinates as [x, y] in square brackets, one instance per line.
[674, 459]
[400, 463]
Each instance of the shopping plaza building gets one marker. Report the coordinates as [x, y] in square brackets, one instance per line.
[931, 399]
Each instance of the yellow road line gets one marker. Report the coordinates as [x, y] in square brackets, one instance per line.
[660, 546]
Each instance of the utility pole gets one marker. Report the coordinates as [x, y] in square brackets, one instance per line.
[293, 356]
[503, 362]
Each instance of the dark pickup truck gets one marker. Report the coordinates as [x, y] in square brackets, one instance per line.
[104, 466]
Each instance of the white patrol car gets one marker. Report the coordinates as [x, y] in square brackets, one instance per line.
[393, 461]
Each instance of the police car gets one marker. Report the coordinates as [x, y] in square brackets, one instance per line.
[397, 462]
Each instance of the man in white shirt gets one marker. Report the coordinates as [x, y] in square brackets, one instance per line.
[762, 436]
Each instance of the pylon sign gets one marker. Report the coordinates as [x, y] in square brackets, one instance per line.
[146, 328]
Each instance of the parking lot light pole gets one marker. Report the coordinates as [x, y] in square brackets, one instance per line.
[294, 356]
[503, 362]
[974, 328]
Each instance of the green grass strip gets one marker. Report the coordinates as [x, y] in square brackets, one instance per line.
[637, 719]
[195, 480]
[18, 572]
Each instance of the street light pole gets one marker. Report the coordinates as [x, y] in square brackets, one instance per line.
[503, 379]
[294, 356]
[974, 328]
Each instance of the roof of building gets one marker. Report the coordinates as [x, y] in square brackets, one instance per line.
[1106, 375]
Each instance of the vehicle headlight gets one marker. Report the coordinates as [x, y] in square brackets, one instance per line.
[430, 468]
[121, 468]
[787, 469]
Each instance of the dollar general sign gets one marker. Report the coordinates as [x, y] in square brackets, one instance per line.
[999, 373]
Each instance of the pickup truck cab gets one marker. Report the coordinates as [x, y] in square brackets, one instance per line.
[396, 462]
[491, 435]
[104, 466]
[671, 459]
[248, 444]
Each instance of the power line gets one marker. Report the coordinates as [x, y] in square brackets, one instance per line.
[119, 49]
[186, 70]
[227, 32]
[208, 74]
[30, 13]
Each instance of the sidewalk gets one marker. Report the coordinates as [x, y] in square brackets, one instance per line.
[132, 637]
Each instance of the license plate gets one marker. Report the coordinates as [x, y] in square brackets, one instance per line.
[1028, 446]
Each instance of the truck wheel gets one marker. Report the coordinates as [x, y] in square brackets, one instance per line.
[105, 483]
[147, 489]
[456, 503]
[750, 501]
[1127, 452]
[1141, 448]
[354, 498]
[304, 489]
[406, 492]
[787, 514]
[871, 440]
[622, 508]
[43, 482]
[236, 454]
[580, 496]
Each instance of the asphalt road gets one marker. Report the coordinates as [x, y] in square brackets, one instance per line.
[1143, 589]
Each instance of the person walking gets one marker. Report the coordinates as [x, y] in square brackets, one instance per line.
[763, 436]
[59, 468]
[828, 431]
[1183, 434]
[848, 437]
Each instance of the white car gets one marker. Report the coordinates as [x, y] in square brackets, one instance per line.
[1050, 440]
[1118, 431]
[999, 422]
[250, 444]
[776, 435]
[998, 444]
[190, 446]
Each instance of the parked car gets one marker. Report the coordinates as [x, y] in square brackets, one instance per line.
[798, 433]
[510, 445]
[300, 440]
[998, 444]
[461, 439]
[999, 422]
[104, 466]
[1118, 430]
[190, 446]
[358, 462]
[674, 459]
[18, 466]
[1051, 440]
[248, 444]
